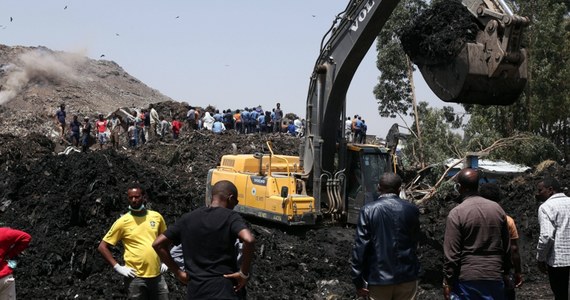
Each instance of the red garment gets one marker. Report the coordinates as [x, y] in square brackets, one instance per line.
[101, 126]
[12, 243]
[176, 125]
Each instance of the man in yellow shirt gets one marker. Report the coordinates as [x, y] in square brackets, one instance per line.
[137, 229]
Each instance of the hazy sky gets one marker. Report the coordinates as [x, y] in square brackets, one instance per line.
[230, 54]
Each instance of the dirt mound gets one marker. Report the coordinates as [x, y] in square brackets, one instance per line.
[35, 80]
[67, 202]
[439, 33]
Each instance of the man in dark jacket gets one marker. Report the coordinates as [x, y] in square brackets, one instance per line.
[384, 261]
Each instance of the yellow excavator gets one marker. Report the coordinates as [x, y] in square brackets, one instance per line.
[332, 177]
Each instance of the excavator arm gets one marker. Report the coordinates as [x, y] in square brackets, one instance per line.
[490, 71]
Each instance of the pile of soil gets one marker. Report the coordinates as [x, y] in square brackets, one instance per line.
[439, 33]
[68, 202]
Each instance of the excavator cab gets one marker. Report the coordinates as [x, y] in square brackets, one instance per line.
[365, 165]
[489, 70]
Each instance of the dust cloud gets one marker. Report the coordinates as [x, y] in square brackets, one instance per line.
[37, 64]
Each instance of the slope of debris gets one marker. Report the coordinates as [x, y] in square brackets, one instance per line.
[34, 81]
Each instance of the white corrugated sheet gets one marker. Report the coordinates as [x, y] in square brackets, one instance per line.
[492, 166]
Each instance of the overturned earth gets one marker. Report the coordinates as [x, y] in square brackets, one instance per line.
[68, 202]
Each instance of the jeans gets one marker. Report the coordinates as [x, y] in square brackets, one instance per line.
[478, 289]
[147, 288]
[75, 138]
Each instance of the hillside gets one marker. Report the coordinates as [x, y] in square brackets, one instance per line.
[35, 80]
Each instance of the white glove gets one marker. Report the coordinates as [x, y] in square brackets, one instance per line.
[163, 268]
[125, 271]
[12, 263]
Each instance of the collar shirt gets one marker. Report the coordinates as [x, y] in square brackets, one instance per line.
[554, 239]
[476, 241]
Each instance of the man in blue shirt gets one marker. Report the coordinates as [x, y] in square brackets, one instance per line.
[253, 120]
[60, 120]
[358, 130]
[75, 127]
[245, 121]
[261, 122]
[291, 129]
[218, 127]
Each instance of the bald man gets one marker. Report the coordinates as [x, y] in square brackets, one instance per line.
[476, 244]
[384, 261]
[208, 236]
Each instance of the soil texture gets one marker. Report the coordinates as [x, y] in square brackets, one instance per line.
[68, 202]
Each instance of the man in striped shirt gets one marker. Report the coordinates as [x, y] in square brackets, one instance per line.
[553, 247]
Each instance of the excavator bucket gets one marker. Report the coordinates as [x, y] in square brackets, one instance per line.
[470, 52]
[466, 79]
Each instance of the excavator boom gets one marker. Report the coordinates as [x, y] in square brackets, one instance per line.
[491, 70]
[342, 177]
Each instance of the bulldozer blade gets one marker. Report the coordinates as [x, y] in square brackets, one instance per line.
[466, 78]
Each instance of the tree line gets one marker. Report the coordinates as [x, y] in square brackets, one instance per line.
[541, 115]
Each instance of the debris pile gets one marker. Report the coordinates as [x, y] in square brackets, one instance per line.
[439, 33]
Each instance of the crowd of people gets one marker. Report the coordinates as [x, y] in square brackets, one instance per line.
[148, 124]
[244, 121]
[355, 129]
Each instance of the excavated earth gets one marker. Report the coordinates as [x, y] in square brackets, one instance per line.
[68, 202]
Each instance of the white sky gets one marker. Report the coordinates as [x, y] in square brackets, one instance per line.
[230, 54]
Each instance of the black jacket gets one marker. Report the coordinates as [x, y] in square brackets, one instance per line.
[384, 251]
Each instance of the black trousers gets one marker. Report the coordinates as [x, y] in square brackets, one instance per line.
[559, 281]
